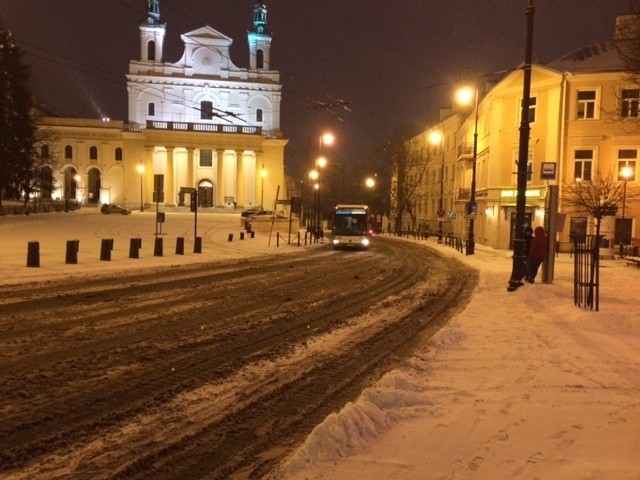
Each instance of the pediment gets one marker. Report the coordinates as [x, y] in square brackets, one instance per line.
[206, 36]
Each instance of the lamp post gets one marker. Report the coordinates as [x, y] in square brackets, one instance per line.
[466, 96]
[313, 176]
[326, 138]
[140, 169]
[519, 257]
[626, 173]
[436, 137]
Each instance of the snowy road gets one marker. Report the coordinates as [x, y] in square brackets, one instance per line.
[212, 370]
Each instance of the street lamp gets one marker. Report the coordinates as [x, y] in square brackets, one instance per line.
[465, 96]
[140, 169]
[313, 176]
[626, 173]
[437, 138]
[263, 174]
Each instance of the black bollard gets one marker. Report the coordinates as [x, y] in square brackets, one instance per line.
[241, 235]
[230, 238]
[180, 246]
[134, 247]
[253, 234]
[197, 246]
[72, 251]
[105, 249]
[33, 254]
[157, 247]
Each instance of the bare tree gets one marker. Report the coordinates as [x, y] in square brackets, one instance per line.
[598, 198]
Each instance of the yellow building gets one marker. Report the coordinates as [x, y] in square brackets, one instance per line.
[200, 124]
[584, 120]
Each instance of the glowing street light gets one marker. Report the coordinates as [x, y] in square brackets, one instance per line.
[436, 137]
[626, 173]
[465, 96]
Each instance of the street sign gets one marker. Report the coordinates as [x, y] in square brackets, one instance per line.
[548, 171]
[441, 213]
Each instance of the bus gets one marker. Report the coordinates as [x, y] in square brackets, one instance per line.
[351, 226]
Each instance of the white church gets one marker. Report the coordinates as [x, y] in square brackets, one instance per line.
[201, 125]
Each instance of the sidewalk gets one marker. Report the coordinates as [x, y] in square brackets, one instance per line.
[520, 385]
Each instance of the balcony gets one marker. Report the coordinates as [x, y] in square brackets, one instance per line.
[203, 127]
[465, 151]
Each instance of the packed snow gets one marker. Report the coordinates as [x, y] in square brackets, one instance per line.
[518, 385]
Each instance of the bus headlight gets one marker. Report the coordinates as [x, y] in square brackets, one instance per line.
[365, 242]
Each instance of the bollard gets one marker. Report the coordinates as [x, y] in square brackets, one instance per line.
[134, 247]
[241, 235]
[105, 249]
[197, 246]
[253, 234]
[157, 247]
[72, 251]
[247, 226]
[180, 246]
[230, 239]
[33, 254]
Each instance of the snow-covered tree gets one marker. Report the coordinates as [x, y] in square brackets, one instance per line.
[17, 123]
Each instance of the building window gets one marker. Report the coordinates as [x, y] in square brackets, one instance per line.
[68, 152]
[259, 115]
[586, 104]
[206, 110]
[532, 108]
[206, 158]
[93, 153]
[118, 154]
[583, 166]
[151, 109]
[627, 158]
[151, 50]
[516, 156]
[44, 151]
[259, 59]
[630, 100]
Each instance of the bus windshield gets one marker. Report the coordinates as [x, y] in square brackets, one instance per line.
[350, 221]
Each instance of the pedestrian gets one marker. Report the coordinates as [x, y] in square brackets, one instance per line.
[528, 239]
[537, 252]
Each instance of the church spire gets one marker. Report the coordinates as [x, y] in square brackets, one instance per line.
[260, 19]
[153, 12]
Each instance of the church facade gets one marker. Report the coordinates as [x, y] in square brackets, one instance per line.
[201, 124]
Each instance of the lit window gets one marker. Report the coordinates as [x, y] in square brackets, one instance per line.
[630, 100]
[532, 108]
[586, 107]
[583, 166]
[627, 158]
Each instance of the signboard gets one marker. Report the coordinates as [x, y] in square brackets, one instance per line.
[441, 213]
[548, 170]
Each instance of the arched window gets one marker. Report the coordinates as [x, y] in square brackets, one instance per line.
[93, 153]
[118, 154]
[151, 50]
[259, 115]
[206, 110]
[44, 151]
[68, 152]
[260, 59]
[151, 109]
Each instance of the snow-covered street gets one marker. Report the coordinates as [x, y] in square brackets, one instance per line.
[519, 385]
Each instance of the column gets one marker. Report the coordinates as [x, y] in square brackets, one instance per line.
[258, 189]
[219, 200]
[240, 197]
[169, 182]
[148, 173]
[191, 181]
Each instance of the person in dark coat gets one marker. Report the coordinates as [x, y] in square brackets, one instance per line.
[528, 239]
[537, 252]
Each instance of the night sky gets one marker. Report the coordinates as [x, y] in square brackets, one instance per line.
[395, 60]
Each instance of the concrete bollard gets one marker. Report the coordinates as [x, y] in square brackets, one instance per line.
[105, 249]
[230, 238]
[180, 246]
[157, 247]
[197, 246]
[241, 235]
[135, 244]
[253, 234]
[33, 254]
[72, 251]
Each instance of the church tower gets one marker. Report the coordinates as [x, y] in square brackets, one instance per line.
[259, 39]
[152, 33]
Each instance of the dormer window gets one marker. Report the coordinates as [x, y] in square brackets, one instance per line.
[206, 110]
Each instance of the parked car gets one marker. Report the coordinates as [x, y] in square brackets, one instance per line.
[114, 208]
[250, 211]
[266, 214]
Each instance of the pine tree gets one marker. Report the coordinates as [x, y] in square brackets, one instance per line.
[18, 126]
